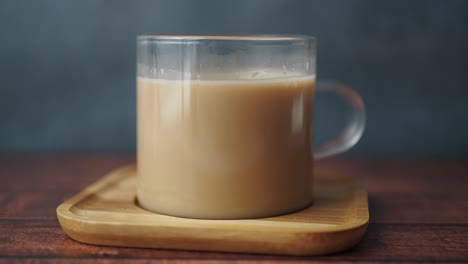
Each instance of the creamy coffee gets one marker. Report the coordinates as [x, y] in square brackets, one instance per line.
[224, 149]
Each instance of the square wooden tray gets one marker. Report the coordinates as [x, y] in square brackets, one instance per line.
[105, 213]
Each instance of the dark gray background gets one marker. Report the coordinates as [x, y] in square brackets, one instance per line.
[67, 68]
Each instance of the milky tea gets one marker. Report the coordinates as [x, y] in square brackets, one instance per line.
[225, 149]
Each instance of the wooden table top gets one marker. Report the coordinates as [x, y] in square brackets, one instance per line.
[418, 212]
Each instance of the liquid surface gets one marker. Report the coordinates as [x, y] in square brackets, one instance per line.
[224, 149]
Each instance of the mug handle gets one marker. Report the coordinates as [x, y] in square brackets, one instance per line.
[355, 125]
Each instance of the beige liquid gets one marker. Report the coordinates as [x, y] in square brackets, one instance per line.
[224, 150]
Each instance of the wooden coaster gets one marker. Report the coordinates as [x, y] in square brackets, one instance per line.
[105, 213]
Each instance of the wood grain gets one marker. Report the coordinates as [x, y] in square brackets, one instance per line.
[418, 212]
[383, 242]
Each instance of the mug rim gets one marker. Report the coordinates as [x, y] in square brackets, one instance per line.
[266, 38]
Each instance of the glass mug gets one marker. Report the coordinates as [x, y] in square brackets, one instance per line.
[224, 125]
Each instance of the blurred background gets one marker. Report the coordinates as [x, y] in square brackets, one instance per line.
[67, 68]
